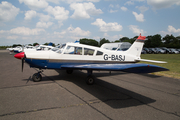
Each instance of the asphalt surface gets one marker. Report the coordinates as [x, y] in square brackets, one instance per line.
[61, 96]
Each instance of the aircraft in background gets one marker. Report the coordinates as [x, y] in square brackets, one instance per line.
[76, 56]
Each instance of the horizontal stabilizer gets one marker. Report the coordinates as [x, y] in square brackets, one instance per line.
[132, 68]
[154, 61]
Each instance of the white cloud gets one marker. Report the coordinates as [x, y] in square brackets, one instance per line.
[142, 8]
[30, 14]
[113, 11]
[26, 31]
[139, 17]
[3, 31]
[129, 3]
[171, 29]
[123, 8]
[105, 27]
[136, 30]
[73, 33]
[84, 10]
[44, 24]
[112, 38]
[58, 12]
[78, 31]
[158, 4]
[8, 12]
[12, 37]
[111, 5]
[34, 4]
[43, 17]
[53, 1]
[78, 1]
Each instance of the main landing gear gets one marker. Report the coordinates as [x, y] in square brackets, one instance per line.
[90, 80]
[37, 76]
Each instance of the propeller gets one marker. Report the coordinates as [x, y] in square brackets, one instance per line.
[23, 59]
[21, 56]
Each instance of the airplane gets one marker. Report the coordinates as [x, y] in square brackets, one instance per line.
[76, 56]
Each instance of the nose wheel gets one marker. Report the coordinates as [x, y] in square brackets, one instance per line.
[37, 77]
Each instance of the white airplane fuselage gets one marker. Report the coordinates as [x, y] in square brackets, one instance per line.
[53, 59]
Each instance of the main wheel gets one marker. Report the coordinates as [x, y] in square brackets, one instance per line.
[37, 77]
[69, 71]
[90, 80]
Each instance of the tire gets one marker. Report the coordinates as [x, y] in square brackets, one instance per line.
[37, 77]
[90, 80]
[69, 71]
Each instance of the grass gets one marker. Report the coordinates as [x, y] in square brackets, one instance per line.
[173, 64]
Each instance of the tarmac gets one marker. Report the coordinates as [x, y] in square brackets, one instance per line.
[60, 96]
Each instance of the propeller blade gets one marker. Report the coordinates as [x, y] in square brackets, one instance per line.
[23, 60]
[22, 64]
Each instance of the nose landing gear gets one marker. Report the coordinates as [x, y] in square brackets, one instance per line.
[37, 77]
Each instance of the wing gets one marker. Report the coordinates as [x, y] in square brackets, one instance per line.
[132, 68]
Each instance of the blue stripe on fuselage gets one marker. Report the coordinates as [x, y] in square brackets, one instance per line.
[37, 63]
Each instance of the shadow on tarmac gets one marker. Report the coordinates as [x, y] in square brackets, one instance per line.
[108, 93]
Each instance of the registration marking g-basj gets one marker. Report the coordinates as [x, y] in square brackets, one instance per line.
[114, 57]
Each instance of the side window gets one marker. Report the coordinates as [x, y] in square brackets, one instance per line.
[73, 50]
[88, 51]
[99, 53]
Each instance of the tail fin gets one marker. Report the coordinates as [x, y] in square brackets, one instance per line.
[136, 47]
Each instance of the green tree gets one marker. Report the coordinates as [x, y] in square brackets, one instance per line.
[123, 39]
[86, 41]
[102, 41]
[15, 45]
[34, 44]
[156, 40]
[171, 41]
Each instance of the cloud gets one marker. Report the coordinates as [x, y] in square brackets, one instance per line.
[129, 3]
[8, 12]
[43, 17]
[105, 27]
[12, 37]
[34, 4]
[84, 10]
[30, 14]
[159, 4]
[142, 8]
[136, 30]
[78, 1]
[113, 11]
[44, 24]
[124, 8]
[171, 29]
[112, 38]
[26, 31]
[139, 17]
[78, 31]
[58, 12]
[73, 33]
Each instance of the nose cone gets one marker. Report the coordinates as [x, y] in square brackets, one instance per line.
[19, 55]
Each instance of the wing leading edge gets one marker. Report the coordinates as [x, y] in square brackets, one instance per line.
[132, 68]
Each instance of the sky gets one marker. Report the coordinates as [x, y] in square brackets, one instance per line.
[61, 21]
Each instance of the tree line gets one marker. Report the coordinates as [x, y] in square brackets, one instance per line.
[151, 41]
[157, 40]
